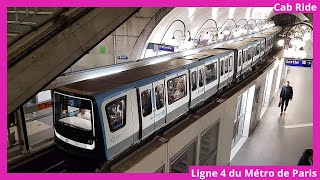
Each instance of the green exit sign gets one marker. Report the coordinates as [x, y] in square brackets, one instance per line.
[102, 49]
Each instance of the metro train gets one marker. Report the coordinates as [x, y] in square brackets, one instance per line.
[104, 116]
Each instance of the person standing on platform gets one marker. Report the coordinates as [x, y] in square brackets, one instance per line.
[285, 95]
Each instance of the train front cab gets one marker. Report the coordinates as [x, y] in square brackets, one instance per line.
[78, 135]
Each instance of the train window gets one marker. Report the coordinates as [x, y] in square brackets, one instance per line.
[194, 80]
[239, 59]
[249, 54]
[116, 111]
[177, 88]
[257, 50]
[146, 103]
[201, 77]
[221, 67]
[159, 96]
[73, 112]
[244, 56]
[230, 63]
[226, 66]
[211, 72]
[262, 47]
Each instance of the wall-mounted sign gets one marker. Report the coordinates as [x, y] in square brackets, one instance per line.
[166, 48]
[160, 47]
[122, 57]
[102, 49]
[298, 62]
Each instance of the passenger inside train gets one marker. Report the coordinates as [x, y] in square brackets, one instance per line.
[200, 77]
[193, 81]
[73, 112]
[176, 88]
[116, 110]
[211, 72]
[159, 96]
[180, 90]
[84, 114]
[146, 102]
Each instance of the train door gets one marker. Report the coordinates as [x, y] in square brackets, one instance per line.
[193, 86]
[239, 64]
[272, 41]
[255, 53]
[244, 61]
[262, 47]
[250, 56]
[201, 83]
[159, 108]
[231, 68]
[226, 69]
[146, 109]
[266, 46]
[221, 73]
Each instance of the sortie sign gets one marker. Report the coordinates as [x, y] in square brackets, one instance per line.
[298, 62]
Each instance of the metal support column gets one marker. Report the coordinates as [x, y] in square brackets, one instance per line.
[22, 130]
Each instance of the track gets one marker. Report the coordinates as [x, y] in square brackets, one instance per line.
[38, 162]
[50, 160]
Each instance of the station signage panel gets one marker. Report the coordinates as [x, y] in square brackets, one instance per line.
[166, 48]
[122, 57]
[160, 47]
[298, 62]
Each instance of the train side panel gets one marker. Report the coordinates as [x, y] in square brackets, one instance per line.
[160, 104]
[135, 116]
[177, 93]
[118, 123]
[212, 71]
[194, 86]
[231, 68]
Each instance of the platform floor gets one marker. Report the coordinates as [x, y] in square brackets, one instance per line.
[280, 140]
[42, 128]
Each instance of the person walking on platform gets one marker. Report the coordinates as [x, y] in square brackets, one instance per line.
[285, 95]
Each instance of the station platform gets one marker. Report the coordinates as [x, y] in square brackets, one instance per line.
[40, 126]
[281, 140]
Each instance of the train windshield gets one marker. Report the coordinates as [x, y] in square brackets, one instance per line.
[73, 118]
